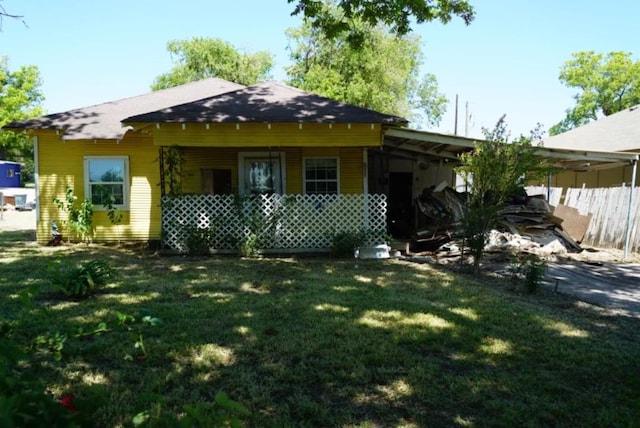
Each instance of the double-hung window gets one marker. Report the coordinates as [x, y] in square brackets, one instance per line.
[106, 180]
[321, 176]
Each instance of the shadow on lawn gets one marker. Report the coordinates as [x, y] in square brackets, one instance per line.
[323, 342]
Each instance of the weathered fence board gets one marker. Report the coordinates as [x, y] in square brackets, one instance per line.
[609, 208]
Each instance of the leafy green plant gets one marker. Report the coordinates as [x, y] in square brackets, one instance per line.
[171, 162]
[51, 343]
[223, 412]
[198, 240]
[113, 212]
[79, 280]
[343, 244]
[530, 270]
[249, 245]
[24, 400]
[135, 325]
[79, 217]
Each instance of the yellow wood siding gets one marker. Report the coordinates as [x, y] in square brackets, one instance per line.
[265, 135]
[61, 163]
[195, 159]
[351, 170]
[294, 170]
[612, 177]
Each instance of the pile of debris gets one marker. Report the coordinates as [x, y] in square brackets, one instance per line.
[525, 224]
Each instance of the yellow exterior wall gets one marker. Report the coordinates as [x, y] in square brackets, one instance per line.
[611, 177]
[260, 135]
[61, 163]
[195, 159]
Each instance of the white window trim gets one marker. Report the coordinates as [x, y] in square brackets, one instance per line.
[242, 156]
[126, 186]
[304, 171]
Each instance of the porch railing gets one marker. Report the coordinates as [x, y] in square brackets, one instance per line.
[287, 223]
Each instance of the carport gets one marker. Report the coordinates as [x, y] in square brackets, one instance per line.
[439, 153]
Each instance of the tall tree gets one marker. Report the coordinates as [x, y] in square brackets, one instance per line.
[20, 98]
[606, 84]
[381, 74]
[395, 14]
[200, 58]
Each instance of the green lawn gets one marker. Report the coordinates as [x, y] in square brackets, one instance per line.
[321, 342]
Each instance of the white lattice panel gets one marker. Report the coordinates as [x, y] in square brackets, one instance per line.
[281, 222]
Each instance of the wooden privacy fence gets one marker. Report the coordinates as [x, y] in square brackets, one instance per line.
[290, 223]
[609, 208]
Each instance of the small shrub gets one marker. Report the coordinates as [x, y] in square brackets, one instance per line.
[530, 270]
[250, 245]
[80, 280]
[198, 240]
[343, 244]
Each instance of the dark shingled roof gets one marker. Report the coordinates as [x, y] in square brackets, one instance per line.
[104, 121]
[266, 102]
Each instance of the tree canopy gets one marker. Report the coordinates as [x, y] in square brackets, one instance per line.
[606, 84]
[395, 14]
[20, 98]
[381, 74]
[200, 58]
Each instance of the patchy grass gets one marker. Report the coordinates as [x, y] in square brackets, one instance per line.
[323, 342]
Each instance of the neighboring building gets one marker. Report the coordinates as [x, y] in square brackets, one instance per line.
[210, 137]
[9, 174]
[619, 132]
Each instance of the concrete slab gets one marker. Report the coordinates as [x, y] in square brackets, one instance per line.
[613, 286]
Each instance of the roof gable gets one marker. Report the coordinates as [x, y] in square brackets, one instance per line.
[266, 102]
[618, 132]
[104, 121]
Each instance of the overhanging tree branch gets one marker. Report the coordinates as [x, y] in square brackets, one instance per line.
[4, 14]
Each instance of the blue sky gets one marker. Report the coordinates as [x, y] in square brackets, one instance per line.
[506, 62]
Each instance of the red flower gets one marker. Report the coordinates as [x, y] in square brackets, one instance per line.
[66, 402]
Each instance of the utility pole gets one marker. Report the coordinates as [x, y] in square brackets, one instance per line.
[466, 118]
[455, 126]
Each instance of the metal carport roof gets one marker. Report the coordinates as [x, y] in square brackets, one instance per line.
[443, 146]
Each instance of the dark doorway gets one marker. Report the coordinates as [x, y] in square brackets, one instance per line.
[400, 219]
[216, 181]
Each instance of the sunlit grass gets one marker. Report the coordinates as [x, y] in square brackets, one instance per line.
[325, 342]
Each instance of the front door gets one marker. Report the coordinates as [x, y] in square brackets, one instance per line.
[261, 173]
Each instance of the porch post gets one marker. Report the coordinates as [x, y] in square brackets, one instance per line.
[36, 176]
[365, 189]
[630, 211]
[365, 171]
[161, 164]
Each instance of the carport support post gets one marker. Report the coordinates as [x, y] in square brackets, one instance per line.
[630, 212]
